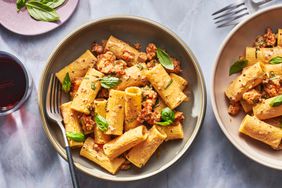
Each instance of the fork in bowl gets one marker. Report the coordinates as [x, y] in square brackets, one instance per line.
[235, 12]
[53, 110]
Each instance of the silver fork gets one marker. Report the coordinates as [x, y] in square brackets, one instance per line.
[53, 101]
[235, 12]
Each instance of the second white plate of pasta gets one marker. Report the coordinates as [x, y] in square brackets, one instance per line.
[247, 87]
[134, 97]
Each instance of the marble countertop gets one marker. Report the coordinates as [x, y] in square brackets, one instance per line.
[27, 159]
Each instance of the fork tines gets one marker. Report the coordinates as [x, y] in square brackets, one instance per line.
[53, 96]
[231, 14]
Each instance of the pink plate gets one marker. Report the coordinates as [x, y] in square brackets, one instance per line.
[23, 24]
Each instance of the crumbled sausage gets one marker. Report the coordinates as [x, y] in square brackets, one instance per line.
[252, 96]
[103, 93]
[87, 123]
[137, 46]
[97, 48]
[234, 108]
[126, 165]
[151, 51]
[127, 56]
[108, 64]
[147, 114]
[266, 40]
[179, 116]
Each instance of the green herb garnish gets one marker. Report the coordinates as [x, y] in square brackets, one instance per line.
[238, 66]
[101, 122]
[164, 59]
[276, 60]
[20, 4]
[53, 3]
[79, 137]
[277, 101]
[67, 83]
[168, 117]
[109, 82]
[42, 12]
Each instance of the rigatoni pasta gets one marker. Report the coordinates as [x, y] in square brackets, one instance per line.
[117, 95]
[258, 89]
[140, 154]
[126, 141]
[87, 91]
[115, 112]
[96, 154]
[77, 68]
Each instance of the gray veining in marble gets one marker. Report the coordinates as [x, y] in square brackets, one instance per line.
[28, 160]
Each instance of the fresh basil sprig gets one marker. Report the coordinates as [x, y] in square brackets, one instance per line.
[41, 11]
[53, 3]
[168, 117]
[20, 4]
[238, 66]
[67, 83]
[79, 137]
[276, 60]
[277, 101]
[101, 122]
[164, 59]
[109, 82]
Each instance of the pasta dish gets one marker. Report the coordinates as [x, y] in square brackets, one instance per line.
[258, 89]
[123, 103]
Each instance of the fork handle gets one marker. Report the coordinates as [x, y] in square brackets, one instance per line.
[72, 168]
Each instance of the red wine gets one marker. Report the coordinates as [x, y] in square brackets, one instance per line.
[13, 82]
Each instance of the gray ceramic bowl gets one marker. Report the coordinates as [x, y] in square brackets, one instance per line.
[233, 46]
[131, 29]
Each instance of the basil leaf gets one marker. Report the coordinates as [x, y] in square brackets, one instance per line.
[101, 122]
[168, 117]
[277, 101]
[109, 82]
[20, 4]
[276, 60]
[53, 3]
[164, 123]
[164, 59]
[238, 66]
[67, 83]
[167, 114]
[79, 137]
[41, 12]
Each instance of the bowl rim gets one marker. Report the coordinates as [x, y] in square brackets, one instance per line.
[213, 101]
[200, 78]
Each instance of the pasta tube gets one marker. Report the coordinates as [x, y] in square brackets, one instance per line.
[250, 77]
[251, 55]
[71, 123]
[263, 110]
[87, 91]
[96, 154]
[140, 154]
[124, 51]
[126, 141]
[181, 82]
[134, 76]
[266, 54]
[246, 106]
[165, 86]
[115, 112]
[261, 131]
[77, 68]
[100, 108]
[276, 69]
[133, 99]
[173, 132]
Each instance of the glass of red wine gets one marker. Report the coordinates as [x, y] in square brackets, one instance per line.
[15, 83]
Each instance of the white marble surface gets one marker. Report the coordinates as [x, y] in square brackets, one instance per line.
[27, 159]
